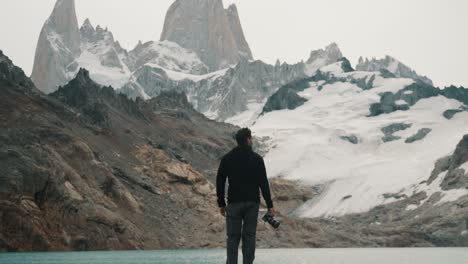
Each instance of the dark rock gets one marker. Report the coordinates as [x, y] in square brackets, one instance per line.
[421, 134]
[346, 197]
[391, 129]
[346, 65]
[449, 114]
[352, 139]
[460, 156]
[284, 99]
[386, 73]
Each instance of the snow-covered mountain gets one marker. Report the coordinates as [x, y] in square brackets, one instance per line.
[231, 93]
[390, 65]
[63, 49]
[366, 138]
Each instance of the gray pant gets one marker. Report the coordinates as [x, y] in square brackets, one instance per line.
[241, 222]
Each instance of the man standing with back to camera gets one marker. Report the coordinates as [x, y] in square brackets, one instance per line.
[246, 174]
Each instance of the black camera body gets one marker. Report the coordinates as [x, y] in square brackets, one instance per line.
[270, 219]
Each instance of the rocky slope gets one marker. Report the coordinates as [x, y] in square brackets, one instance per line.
[86, 168]
[205, 27]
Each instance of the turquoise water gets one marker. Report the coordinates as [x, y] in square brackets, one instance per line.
[270, 256]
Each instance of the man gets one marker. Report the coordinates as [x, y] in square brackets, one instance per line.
[245, 171]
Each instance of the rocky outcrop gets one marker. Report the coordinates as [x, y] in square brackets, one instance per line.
[421, 134]
[57, 48]
[213, 32]
[353, 139]
[393, 128]
[449, 114]
[391, 65]
[13, 76]
[411, 94]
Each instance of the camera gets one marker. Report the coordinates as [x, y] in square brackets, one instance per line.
[270, 219]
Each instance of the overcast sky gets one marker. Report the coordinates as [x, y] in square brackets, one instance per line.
[430, 36]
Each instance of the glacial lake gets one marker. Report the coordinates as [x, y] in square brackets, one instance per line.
[264, 256]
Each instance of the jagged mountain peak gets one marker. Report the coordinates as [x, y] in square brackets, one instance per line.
[333, 47]
[322, 57]
[94, 34]
[57, 47]
[63, 21]
[205, 27]
[392, 65]
[82, 79]
[332, 52]
[94, 101]
[232, 8]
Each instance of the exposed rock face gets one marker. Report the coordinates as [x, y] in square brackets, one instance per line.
[391, 65]
[218, 95]
[213, 32]
[57, 48]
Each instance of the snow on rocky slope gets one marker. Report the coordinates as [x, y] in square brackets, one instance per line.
[63, 49]
[392, 66]
[360, 158]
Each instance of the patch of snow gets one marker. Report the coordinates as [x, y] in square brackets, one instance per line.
[104, 75]
[334, 68]
[401, 102]
[411, 207]
[179, 76]
[247, 118]
[408, 92]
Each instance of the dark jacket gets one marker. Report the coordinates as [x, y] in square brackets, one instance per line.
[246, 174]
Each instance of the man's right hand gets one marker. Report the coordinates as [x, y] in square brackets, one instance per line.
[272, 211]
[222, 210]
